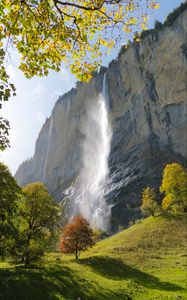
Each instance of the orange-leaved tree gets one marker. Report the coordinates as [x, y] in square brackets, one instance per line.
[76, 237]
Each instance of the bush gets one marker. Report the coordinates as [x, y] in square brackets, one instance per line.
[138, 221]
[100, 235]
[131, 223]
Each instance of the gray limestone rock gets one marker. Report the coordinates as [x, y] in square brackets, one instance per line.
[147, 97]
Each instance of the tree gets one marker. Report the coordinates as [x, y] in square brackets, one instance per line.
[4, 133]
[174, 185]
[76, 237]
[38, 218]
[149, 204]
[6, 90]
[9, 195]
[49, 32]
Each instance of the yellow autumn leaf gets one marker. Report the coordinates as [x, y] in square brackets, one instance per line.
[127, 29]
[130, 7]
[132, 21]
[103, 42]
[155, 5]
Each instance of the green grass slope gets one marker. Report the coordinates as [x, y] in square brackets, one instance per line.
[144, 262]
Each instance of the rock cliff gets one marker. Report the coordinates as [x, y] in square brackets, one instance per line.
[147, 86]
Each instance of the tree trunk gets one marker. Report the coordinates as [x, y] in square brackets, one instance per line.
[27, 251]
[76, 254]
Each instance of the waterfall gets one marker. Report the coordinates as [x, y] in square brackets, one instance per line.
[48, 147]
[89, 197]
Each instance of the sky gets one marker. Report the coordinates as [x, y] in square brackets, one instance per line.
[36, 97]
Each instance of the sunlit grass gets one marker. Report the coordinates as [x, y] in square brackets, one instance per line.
[146, 261]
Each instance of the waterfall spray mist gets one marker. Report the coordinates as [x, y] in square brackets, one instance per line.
[90, 186]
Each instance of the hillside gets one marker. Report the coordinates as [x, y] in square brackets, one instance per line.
[144, 262]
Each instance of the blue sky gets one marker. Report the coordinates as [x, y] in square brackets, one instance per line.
[36, 97]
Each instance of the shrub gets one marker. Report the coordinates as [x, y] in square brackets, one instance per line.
[131, 223]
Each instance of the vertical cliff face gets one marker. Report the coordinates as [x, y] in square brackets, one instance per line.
[147, 95]
[56, 160]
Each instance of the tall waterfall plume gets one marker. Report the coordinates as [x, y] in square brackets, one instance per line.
[89, 197]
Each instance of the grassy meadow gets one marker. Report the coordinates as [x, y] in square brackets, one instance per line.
[145, 262]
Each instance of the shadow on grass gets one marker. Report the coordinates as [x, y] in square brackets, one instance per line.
[58, 281]
[117, 270]
[38, 284]
[54, 282]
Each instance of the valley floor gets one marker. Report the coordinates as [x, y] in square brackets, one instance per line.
[144, 262]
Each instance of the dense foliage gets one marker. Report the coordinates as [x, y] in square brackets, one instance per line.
[4, 133]
[38, 218]
[9, 195]
[174, 185]
[28, 219]
[6, 90]
[77, 236]
[149, 203]
[49, 32]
